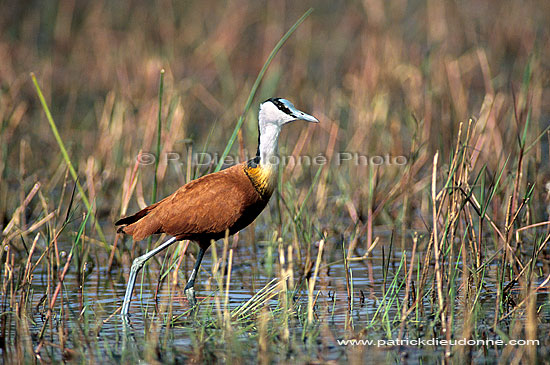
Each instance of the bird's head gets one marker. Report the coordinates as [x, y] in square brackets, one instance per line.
[277, 111]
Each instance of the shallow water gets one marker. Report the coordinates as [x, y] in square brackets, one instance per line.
[95, 305]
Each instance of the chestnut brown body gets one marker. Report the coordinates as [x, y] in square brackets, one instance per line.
[204, 209]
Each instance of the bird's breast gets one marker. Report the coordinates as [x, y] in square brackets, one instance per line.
[262, 177]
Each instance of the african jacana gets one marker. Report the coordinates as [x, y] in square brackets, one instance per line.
[206, 208]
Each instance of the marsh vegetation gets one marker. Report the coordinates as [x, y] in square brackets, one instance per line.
[450, 245]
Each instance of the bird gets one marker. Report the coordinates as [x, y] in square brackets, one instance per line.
[224, 202]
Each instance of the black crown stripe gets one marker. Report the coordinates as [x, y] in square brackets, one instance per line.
[282, 107]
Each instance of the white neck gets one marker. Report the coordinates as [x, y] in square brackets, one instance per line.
[269, 135]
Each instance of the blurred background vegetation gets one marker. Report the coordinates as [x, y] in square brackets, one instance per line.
[379, 73]
[390, 77]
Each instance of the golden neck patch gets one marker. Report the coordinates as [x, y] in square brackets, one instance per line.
[263, 178]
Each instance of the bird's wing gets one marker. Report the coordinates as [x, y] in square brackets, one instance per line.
[207, 206]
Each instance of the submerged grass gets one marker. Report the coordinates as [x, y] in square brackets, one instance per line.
[451, 244]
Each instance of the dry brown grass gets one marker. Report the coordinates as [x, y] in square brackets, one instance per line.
[384, 77]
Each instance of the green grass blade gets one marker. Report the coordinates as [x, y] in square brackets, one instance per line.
[157, 157]
[159, 133]
[257, 84]
[68, 160]
[494, 189]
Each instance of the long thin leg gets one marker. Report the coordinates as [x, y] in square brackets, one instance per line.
[136, 266]
[190, 287]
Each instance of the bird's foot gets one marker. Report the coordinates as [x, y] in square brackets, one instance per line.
[190, 294]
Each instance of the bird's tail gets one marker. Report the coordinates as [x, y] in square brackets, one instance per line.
[133, 225]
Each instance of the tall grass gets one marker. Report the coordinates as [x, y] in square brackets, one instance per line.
[451, 245]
